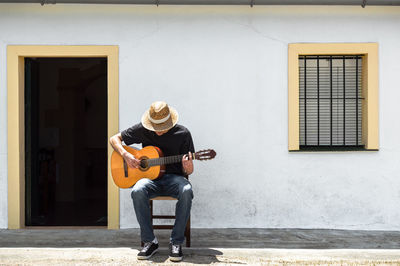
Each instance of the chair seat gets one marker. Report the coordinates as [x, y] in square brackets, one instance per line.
[163, 198]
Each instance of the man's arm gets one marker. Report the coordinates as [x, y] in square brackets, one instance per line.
[116, 143]
[187, 148]
[187, 164]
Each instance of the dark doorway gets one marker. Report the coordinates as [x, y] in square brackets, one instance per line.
[66, 141]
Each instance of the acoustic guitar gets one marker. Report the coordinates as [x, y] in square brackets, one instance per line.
[152, 164]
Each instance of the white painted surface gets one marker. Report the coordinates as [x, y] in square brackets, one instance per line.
[225, 70]
[3, 133]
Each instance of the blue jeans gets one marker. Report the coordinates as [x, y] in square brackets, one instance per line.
[168, 185]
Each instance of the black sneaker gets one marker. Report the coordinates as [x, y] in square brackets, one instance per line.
[147, 251]
[175, 252]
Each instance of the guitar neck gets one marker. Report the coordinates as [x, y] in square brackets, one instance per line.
[166, 160]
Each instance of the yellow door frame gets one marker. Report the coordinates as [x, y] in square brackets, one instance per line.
[16, 130]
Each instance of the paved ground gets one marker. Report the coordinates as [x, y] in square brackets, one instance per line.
[209, 246]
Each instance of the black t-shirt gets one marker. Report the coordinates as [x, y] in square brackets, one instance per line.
[177, 140]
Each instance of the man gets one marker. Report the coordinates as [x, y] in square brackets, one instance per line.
[159, 128]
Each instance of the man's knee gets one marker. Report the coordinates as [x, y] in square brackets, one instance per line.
[139, 190]
[186, 192]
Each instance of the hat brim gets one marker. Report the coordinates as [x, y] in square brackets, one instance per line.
[170, 123]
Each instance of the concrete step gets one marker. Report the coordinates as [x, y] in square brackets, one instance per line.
[197, 256]
[209, 246]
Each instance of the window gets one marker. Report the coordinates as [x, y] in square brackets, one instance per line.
[330, 99]
[333, 97]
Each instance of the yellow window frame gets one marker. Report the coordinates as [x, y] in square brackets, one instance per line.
[369, 51]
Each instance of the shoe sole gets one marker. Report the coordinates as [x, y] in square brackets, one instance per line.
[175, 259]
[147, 257]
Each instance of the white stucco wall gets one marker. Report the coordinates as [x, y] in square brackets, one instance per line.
[225, 70]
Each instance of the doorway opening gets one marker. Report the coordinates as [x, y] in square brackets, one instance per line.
[65, 141]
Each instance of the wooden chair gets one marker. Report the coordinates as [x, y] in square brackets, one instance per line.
[187, 230]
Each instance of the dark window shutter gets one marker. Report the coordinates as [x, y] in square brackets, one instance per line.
[331, 101]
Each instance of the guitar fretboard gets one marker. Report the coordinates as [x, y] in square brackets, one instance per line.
[165, 160]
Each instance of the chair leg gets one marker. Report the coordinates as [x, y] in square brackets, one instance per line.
[187, 233]
[151, 212]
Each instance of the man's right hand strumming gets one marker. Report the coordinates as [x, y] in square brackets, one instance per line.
[131, 160]
[116, 143]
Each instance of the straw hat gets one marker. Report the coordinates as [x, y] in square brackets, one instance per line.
[160, 117]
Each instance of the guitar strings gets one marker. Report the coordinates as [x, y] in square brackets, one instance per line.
[165, 160]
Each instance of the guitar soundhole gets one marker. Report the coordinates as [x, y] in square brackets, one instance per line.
[144, 164]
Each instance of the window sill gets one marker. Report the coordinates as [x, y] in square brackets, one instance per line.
[337, 149]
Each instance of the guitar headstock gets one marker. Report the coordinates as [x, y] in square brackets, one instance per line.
[205, 155]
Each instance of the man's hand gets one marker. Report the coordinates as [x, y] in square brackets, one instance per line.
[131, 160]
[116, 143]
[187, 164]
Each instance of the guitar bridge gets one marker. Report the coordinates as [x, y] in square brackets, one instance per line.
[125, 168]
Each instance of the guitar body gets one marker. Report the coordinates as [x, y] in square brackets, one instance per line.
[125, 177]
[152, 164]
